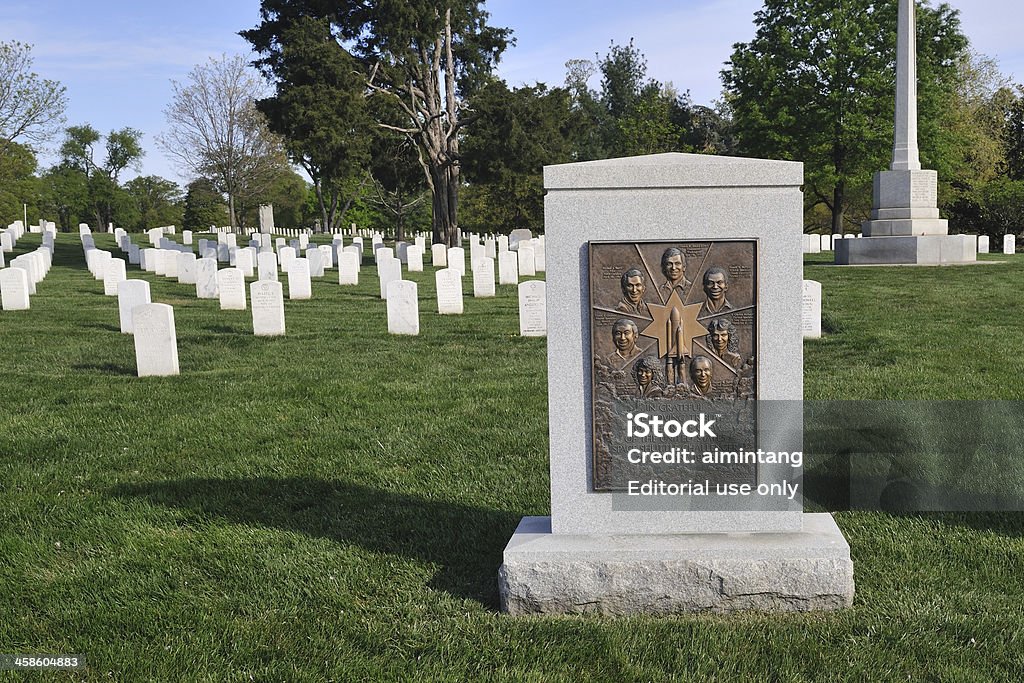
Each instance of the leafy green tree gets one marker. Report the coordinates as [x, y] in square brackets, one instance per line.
[637, 109]
[428, 57]
[320, 109]
[18, 184]
[156, 201]
[64, 192]
[518, 133]
[1000, 207]
[122, 149]
[588, 142]
[204, 206]
[216, 131]
[31, 108]
[633, 114]
[1013, 134]
[398, 182]
[287, 192]
[816, 84]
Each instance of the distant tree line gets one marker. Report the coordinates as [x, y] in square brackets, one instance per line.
[396, 118]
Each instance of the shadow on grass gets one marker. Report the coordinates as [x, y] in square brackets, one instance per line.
[106, 368]
[465, 541]
[221, 329]
[104, 326]
[832, 485]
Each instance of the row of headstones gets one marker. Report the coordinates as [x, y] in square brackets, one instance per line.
[266, 295]
[152, 325]
[403, 304]
[18, 279]
[814, 244]
[167, 261]
[42, 227]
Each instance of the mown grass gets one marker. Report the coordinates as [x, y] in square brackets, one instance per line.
[332, 505]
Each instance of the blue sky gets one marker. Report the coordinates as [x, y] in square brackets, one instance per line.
[117, 58]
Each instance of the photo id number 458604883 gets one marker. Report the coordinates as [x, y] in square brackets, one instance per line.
[15, 662]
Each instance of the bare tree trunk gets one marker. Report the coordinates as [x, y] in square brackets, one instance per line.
[838, 207]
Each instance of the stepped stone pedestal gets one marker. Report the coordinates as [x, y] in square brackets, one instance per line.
[905, 227]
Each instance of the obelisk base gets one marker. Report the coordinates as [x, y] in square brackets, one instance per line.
[933, 250]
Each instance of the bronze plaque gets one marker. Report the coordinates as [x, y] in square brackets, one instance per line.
[673, 330]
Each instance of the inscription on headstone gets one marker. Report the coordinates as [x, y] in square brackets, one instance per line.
[811, 319]
[299, 284]
[231, 285]
[403, 308]
[483, 278]
[267, 307]
[449, 291]
[533, 320]
[156, 343]
[14, 291]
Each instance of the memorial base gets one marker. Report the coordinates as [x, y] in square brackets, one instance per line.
[917, 250]
[802, 571]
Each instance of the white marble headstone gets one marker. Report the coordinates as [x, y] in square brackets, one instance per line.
[316, 262]
[414, 254]
[483, 278]
[403, 307]
[449, 291]
[326, 255]
[983, 244]
[285, 256]
[348, 268]
[245, 261]
[532, 309]
[508, 268]
[150, 257]
[527, 267]
[187, 273]
[266, 265]
[439, 256]
[1009, 244]
[206, 278]
[457, 259]
[231, 288]
[156, 342]
[14, 290]
[811, 320]
[299, 284]
[381, 252]
[130, 293]
[267, 307]
[114, 272]
[357, 250]
[388, 270]
[476, 252]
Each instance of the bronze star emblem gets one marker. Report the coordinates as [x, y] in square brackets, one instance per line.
[675, 326]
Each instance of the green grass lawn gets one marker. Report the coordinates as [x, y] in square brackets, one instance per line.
[333, 505]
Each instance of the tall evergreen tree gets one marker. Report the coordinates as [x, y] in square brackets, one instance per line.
[428, 57]
[816, 84]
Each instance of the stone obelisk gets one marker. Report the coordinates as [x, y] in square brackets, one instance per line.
[905, 226]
